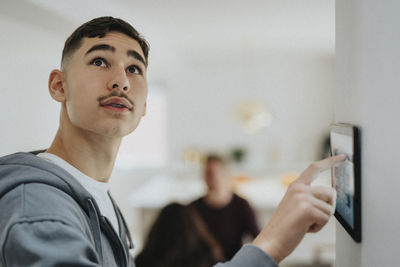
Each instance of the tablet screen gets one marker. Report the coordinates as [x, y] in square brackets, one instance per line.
[343, 175]
[346, 178]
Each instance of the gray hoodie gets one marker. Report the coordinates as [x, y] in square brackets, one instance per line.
[48, 219]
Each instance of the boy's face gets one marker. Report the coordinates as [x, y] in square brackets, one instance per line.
[105, 85]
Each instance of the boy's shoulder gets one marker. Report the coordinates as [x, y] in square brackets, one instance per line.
[32, 189]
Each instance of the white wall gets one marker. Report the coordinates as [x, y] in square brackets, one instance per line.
[28, 116]
[297, 85]
[368, 95]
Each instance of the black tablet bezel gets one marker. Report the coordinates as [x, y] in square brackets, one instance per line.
[352, 131]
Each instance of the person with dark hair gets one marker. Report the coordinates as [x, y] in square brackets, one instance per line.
[177, 240]
[228, 217]
[55, 206]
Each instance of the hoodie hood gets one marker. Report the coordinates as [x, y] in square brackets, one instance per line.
[24, 168]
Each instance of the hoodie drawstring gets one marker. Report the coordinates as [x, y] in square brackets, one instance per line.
[95, 227]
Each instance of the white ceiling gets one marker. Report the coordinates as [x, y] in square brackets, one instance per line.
[182, 31]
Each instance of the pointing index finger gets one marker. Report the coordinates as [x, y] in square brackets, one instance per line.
[309, 175]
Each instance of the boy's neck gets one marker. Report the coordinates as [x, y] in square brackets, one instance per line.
[93, 155]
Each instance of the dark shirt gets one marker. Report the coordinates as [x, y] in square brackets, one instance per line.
[229, 224]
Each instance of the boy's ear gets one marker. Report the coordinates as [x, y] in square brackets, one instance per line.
[56, 85]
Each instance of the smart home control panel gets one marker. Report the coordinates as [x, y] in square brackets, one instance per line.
[346, 178]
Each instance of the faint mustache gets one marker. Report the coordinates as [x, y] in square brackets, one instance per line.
[118, 94]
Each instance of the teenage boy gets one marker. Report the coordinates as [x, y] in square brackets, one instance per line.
[55, 207]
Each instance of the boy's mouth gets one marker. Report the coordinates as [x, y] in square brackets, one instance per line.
[116, 103]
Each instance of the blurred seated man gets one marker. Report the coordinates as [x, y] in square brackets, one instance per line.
[177, 239]
[228, 217]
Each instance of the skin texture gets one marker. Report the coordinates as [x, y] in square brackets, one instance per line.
[303, 209]
[90, 134]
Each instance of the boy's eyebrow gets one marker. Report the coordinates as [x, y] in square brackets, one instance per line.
[101, 47]
[106, 47]
[136, 55]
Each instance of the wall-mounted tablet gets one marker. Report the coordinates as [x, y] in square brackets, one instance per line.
[346, 178]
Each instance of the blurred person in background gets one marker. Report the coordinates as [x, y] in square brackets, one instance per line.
[178, 239]
[228, 217]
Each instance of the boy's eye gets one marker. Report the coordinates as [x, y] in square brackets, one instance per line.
[133, 69]
[100, 62]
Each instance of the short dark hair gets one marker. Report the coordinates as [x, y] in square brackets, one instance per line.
[215, 158]
[99, 27]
